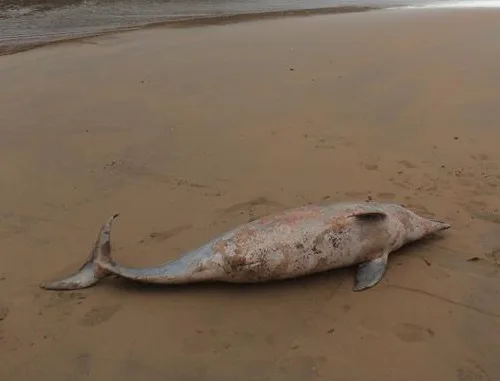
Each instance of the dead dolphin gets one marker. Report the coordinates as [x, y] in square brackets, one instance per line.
[294, 243]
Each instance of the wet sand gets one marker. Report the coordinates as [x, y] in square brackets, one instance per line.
[49, 33]
[190, 132]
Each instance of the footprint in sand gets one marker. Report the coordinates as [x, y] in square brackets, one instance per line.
[386, 195]
[420, 209]
[471, 372]
[166, 234]
[407, 164]
[258, 201]
[481, 157]
[83, 363]
[493, 255]
[135, 367]
[253, 209]
[489, 217]
[355, 194]
[323, 144]
[412, 333]
[4, 311]
[99, 315]
[371, 167]
[302, 367]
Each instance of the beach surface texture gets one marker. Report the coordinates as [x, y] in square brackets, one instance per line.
[190, 131]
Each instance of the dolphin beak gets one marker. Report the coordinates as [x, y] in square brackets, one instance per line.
[439, 225]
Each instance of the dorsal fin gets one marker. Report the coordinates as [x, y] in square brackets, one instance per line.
[369, 215]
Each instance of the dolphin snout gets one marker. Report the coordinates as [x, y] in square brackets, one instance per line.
[439, 225]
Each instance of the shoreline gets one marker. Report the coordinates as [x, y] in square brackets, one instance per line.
[195, 21]
[190, 132]
[211, 20]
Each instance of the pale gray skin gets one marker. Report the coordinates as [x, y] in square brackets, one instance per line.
[295, 243]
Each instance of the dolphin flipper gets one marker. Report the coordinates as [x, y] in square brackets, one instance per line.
[369, 273]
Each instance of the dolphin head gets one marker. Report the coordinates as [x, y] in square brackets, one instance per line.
[415, 226]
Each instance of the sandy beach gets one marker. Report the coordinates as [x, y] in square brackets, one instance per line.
[190, 131]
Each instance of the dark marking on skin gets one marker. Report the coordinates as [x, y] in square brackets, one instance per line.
[374, 254]
[322, 263]
[100, 272]
[285, 262]
[299, 246]
[237, 262]
[397, 238]
[199, 267]
[404, 218]
[220, 247]
[332, 237]
[336, 240]
[259, 268]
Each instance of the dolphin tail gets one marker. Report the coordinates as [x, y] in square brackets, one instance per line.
[91, 272]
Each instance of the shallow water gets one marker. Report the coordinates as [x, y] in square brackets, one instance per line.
[25, 23]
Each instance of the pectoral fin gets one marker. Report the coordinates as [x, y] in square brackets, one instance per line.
[369, 273]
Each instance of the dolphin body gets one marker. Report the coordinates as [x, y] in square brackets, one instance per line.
[291, 244]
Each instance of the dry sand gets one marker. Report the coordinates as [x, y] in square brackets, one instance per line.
[189, 132]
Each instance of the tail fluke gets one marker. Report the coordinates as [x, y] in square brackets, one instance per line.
[91, 272]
